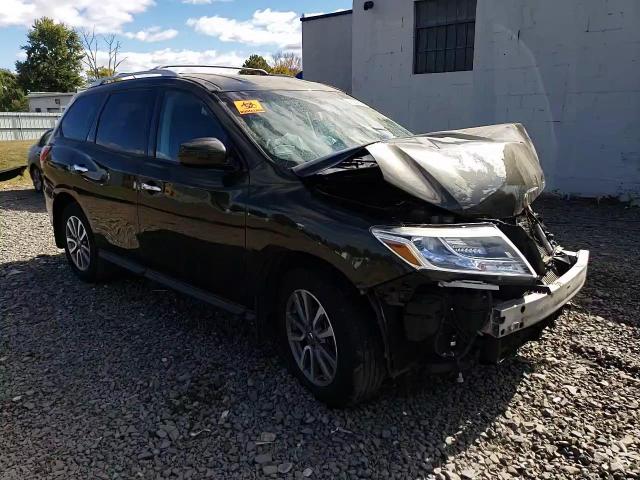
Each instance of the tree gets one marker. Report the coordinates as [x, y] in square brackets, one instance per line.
[256, 61]
[12, 97]
[91, 44]
[101, 72]
[54, 58]
[104, 72]
[286, 63]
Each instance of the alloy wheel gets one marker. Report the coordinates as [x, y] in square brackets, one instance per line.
[311, 338]
[78, 243]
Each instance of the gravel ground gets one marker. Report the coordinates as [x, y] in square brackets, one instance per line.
[128, 380]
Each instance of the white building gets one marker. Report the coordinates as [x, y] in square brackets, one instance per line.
[49, 102]
[568, 70]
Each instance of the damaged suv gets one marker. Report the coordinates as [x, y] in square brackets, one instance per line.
[364, 249]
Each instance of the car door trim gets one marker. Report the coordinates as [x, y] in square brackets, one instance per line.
[177, 285]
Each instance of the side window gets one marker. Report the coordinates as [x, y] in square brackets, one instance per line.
[45, 138]
[184, 117]
[80, 116]
[124, 120]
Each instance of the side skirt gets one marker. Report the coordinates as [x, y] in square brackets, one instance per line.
[177, 285]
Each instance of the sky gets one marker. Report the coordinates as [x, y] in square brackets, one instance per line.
[155, 32]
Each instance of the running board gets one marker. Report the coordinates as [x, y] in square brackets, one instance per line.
[177, 285]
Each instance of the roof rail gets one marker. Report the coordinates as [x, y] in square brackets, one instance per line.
[166, 71]
[257, 70]
[126, 76]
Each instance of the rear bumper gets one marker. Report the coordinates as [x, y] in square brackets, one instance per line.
[512, 316]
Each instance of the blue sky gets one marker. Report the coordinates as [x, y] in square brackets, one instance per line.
[166, 31]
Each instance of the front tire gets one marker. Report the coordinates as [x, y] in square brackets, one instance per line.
[329, 338]
[80, 246]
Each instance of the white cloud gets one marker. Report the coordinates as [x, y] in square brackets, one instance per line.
[266, 27]
[204, 2]
[104, 15]
[136, 61]
[153, 34]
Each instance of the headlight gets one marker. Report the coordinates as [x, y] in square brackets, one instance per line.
[465, 248]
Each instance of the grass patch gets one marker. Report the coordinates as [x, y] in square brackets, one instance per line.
[13, 153]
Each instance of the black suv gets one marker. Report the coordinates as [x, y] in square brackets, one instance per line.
[365, 249]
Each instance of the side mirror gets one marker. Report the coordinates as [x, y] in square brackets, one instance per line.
[203, 152]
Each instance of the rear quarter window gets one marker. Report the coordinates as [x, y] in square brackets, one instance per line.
[80, 116]
[124, 121]
[45, 138]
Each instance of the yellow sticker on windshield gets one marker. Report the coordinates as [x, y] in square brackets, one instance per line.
[248, 106]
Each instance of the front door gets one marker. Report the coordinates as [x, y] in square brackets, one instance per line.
[192, 219]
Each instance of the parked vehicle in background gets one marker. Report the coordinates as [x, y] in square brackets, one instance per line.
[33, 160]
[365, 249]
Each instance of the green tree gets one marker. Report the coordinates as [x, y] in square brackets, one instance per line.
[12, 97]
[256, 61]
[286, 63]
[54, 58]
[101, 72]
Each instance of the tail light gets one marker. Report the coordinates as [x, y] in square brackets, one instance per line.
[44, 152]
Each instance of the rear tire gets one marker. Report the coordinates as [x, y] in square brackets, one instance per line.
[80, 246]
[345, 330]
[36, 178]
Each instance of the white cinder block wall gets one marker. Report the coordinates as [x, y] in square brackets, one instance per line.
[326, 44]
[569, 70]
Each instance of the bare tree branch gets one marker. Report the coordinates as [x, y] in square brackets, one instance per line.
[116, 51]
[109, 41]
[91, 44]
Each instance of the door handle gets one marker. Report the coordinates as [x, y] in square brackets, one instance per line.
[79, 168]
[149, 187]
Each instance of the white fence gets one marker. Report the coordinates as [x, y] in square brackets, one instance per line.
[25, 125]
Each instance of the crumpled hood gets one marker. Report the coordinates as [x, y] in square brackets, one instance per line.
[484, 171]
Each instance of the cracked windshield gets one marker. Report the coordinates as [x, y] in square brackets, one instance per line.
[295, 127]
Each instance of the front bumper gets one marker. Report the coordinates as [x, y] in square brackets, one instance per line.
[422, 323]
[512, 316]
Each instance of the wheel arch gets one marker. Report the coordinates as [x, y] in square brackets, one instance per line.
[269, 281]
[60, 202]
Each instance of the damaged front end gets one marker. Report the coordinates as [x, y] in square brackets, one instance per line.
[450, 318]
[456, 207]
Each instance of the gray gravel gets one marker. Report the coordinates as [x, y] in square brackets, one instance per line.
[128, 380]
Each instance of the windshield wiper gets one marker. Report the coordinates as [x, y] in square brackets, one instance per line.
[322, 163]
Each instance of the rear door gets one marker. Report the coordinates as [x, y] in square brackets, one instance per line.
[192, 219]
[105, 172]
[70, 140]
[77, 167]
